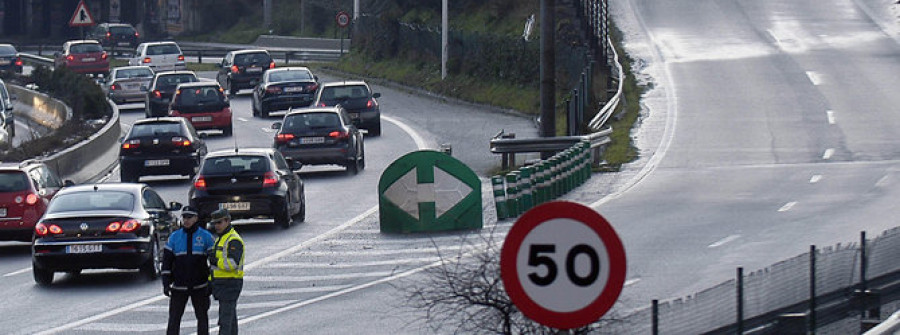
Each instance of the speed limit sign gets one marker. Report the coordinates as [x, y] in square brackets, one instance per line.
[343, 19]
[563, 265]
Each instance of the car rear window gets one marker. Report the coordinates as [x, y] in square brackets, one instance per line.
[345, 92]
[308, 121]
[92, 200]
[85, 48]
[121, 30]
[156, 129]
[235, 164]
[7, 50]
[13, 181]
[134, 73]
[198, 95]
[252, 58]
[162, 49]
[280, 76]
[170, 81]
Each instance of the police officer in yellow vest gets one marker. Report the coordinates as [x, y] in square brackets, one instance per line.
[226, 270]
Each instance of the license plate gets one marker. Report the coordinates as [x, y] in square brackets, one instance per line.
[84, 248]
[4, 61]
[254, 69]
[156, 162]
[235, 206]
[89, 59]
[3, 212]
[312, 140]
[292, 89]
[133, 87]
[201, 118]
[123, 43]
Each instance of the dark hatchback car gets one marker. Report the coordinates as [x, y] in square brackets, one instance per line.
[119, 226]
[321, 135]
[162, 87]
[83, 56]
[284, 88]
[115, 36]
[250, 183]
[357, 99]
[160, 146]
[243, 69]
[25, 190]
[9, 59]
[203, 104]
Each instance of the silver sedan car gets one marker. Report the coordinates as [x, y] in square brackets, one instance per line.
[128, 84]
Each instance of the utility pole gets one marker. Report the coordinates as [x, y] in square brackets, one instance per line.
[267, 14]
[548, 72]
[444, 24]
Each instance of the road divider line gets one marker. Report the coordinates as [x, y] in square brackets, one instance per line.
[420, 142]
[17, 272]
[830, 114]
[814, 77]
[632, 281]
[787, 206]
[815, 179]
[828, 153]
[724, 241]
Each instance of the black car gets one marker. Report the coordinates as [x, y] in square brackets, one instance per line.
[321, 135]
[162, 87]
[115, 36]
[9, 59]
[120, 226]
[284, 88]
[357, 98]
[160, 146]
[250, 183]
[243, 69]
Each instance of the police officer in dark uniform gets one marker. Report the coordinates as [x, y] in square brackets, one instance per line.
[185, 272]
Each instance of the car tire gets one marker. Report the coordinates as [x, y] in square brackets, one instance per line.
[353, 167]
[12, 129]
[263, 111]
[375, 131]
[227, 131]
[152, 267]
[283, 219]
[42, 277]
[301, 214]
[128, 177]
[231, 89]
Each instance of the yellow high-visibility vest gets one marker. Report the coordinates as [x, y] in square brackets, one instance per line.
[225, 267]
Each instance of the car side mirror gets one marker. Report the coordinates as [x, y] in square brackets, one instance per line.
[68, 183]
[294, 165]
[276, 125]
[175, 206]
[376, 95]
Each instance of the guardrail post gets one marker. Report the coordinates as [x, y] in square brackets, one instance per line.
[586, 146]
[200, 56]
[553, 180]
[543, 174]
[499, 197]
[526, 186]
[512, 194]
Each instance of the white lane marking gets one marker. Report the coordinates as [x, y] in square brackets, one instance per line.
[307, 265]
[828, 153]
[830, 114]
[787, 206]
[242, 119]
[632, 281]
[297, 279]
[287, 291]
[814, 77]
[882, 182]
[815, 179]
[723, 241]
[420, 142]
[17, 272]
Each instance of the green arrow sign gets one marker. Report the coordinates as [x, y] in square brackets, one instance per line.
[428, 191]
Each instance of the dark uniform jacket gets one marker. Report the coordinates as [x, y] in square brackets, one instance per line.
[184, 263]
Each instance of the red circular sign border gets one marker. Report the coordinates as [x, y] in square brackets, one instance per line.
[615, 250]
[337, 18]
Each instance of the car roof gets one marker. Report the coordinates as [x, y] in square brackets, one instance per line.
[70, 42]
[329, 109]
[159, 43]
[164, 73]
[345, 83]
[7, 45]
[18, 166]
[160, 119]
[128, 187]
[117, 25]
[248, 51]
[288, 68]
[132, 67]
[232, 152]
[199, 84]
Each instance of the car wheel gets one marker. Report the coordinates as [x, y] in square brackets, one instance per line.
[263, 111]
[353, 167]
[231, 89]
[42, 276]
[376, 130]
[12, 129]
[301, 214]
[227, 131]
[128, 177]
[147, 110]
[152, 267]
[283, 219]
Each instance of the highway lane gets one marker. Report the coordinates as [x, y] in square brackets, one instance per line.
[781, 135]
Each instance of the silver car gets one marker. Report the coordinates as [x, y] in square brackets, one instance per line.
[128, 84]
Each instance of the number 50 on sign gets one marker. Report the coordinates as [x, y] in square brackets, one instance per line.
[563, 265]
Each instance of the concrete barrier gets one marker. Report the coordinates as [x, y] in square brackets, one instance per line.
[83, 162]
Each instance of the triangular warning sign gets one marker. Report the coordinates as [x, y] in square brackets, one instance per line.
[82, 16]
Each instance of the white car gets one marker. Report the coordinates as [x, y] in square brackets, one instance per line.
[160, 56]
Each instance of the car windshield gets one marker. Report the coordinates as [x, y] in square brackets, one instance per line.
[307, 121]
[134, 73]
[85, 48]
[156, 129]
[345, 92]
[198, 95]
[13, 181]
[289, 75]
[7, 50]
[235, 165]
[121, 30]
[162, 49]
[91, 201]
[252, 58]
[170, 81]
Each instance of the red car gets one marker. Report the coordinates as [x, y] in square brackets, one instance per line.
[25, 190]
[204, 105]
[83, 56]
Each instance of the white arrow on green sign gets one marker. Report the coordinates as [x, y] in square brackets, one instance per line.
[429, 191]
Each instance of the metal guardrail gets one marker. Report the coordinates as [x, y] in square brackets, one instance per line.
[35, 59]
[509, 147]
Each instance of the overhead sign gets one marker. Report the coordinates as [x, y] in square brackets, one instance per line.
[343, 19]
[429, 191]
[82, 16]
[563, 265]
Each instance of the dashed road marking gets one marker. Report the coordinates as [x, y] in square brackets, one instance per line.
[815, 179]
[724, 241]
[787, 206]
[828, 153]
[830, 114]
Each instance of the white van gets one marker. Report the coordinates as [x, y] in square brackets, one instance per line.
[160, 56]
